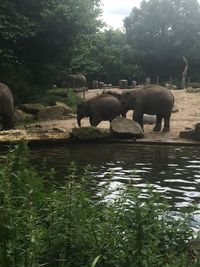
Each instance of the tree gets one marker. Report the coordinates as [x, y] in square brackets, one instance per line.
[162, 31]
[106, 57]
[38, 36]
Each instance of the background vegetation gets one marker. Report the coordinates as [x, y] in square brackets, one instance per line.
[41, 41]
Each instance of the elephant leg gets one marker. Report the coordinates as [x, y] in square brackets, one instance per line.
[166, 124]
[157, 127]
[138, 117]
[124, 114]
[94, 121]
[7, 122]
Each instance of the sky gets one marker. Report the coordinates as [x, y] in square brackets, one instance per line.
[114, 11]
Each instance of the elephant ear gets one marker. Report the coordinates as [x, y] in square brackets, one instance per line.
[80, 104]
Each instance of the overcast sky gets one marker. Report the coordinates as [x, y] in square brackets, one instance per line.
[114, 11]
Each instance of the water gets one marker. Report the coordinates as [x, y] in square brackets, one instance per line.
[173, 171]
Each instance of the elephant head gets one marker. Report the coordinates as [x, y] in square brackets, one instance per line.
[81, 112]
[127, 101]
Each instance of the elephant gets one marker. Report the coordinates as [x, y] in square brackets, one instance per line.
[100, 108]
[6, 107]
[75, 81]
[152, 100]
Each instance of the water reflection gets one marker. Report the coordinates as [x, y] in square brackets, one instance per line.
[173, 171]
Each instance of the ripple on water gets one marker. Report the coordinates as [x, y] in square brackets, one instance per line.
[193, 194]
[181, 181]
[193, 166]
[173, 171]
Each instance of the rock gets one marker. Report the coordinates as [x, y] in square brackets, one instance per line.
[175, 109]
[170, 86]
[193, 90]
[197, 127]
[126, 128]
[32, 108]
[89, 133]
[191, 134]
[149, 119]
[21, 116]
[51, 113]
[58, 130]
[194, 85]
[66, 110]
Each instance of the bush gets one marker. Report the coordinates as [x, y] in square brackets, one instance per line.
[43, 223]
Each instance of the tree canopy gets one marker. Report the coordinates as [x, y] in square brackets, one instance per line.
[41, 41]
[162, 32]
[37, 37]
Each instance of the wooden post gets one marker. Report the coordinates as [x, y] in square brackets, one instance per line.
[157, 80]
[148, 81]
[134, 83]
[170, 80]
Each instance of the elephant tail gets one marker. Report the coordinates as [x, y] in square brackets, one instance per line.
[117, 95]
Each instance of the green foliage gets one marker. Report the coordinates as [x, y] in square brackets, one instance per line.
[46, 224]
[162, 32]
[38, 37]
[107, 57]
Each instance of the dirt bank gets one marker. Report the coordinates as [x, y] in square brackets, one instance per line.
[188, 115]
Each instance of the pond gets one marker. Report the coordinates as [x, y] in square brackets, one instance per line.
[172, 170]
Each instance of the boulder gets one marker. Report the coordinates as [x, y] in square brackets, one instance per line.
[149, 119]
[194, 85]
[32, 108]
[89, 133]
[66, 110]
[21, 116]
[193, 90]
[175, 109]
[51, 113]
[126, 128]
[170, 86]
[190, 134]
[197, 127]
[193, 134]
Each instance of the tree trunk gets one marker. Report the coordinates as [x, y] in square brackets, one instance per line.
[184, 74]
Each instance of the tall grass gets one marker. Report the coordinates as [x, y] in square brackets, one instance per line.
[46, 224]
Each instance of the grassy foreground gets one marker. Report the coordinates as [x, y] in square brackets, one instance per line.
[46, 224]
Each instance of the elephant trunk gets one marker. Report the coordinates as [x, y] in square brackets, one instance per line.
[79, 121]
[123, 112]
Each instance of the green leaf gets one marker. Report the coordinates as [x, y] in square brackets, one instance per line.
[95, 261]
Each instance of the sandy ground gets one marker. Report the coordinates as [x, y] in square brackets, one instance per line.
[188, 115]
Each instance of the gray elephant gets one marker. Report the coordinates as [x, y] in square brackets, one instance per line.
[6, 107]
[75, 81]
[150, 99]
[100, 108]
